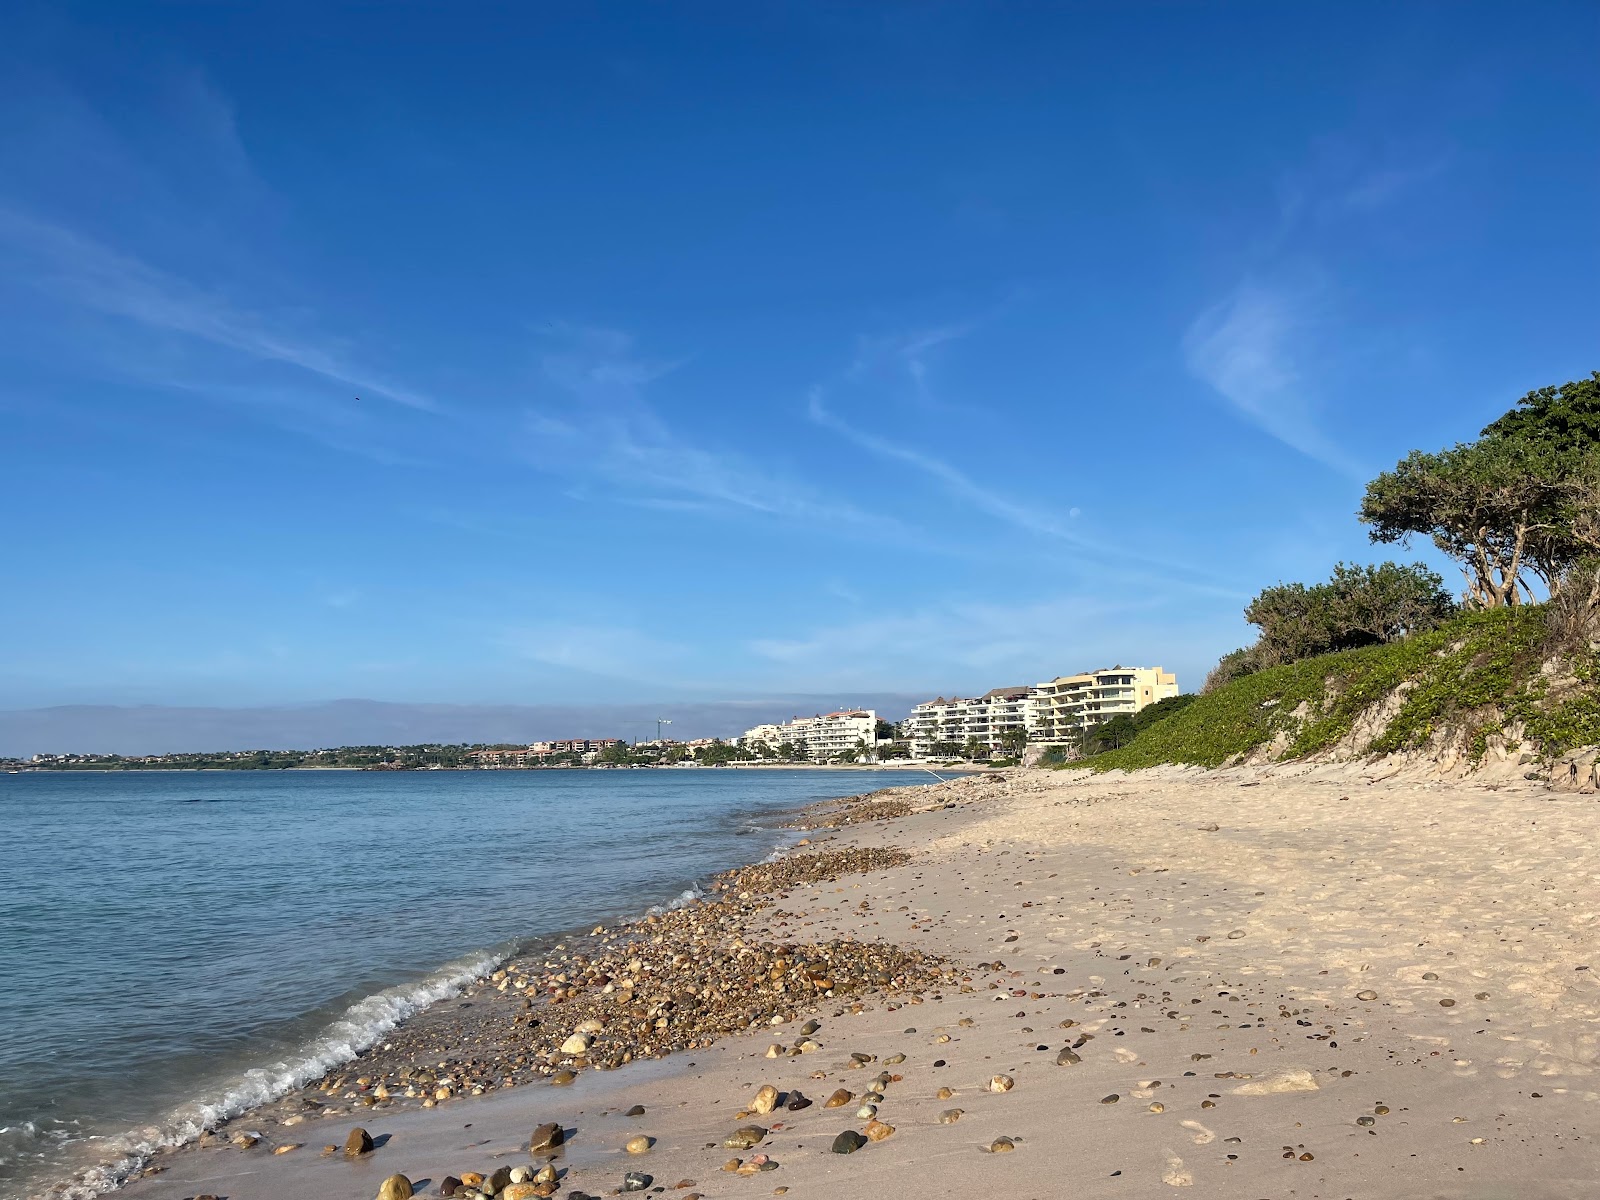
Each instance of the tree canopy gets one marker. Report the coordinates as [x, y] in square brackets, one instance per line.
[1357, 606]
[1509, 503]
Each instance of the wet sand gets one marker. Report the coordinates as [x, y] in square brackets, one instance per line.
[1271, 983]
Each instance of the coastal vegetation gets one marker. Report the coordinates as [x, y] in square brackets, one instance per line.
[1381, 660]
[375, 757]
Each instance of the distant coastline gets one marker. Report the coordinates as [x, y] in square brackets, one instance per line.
[963, 768]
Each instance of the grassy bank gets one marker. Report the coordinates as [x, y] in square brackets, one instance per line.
[1483, 674]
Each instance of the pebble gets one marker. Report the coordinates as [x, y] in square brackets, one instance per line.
[636, 1181]
[639, 1145]
[636, 1111]
[359, 1142]
[1002, 1145]
[766, 1100]
[839, 1099]
[1068, 1058]
[1367, 995]
[396, 1187]
[950, 1116]
[1111, 1099]
[877, 1131]
[943, 1093]
[848, 1142]
[546, 1137]
[1002, 1083]
[744, 1137]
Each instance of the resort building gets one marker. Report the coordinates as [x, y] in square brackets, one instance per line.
[537, 752]
[954, 721]
[824, 737]
[1065, 707]
[1058, 711]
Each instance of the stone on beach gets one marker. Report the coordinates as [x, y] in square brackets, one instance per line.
[546, 1137]
[848, 1142]
[359, 1142]
[765, 1101]
[744, 1137]
[396, 1187]
[639, 1145]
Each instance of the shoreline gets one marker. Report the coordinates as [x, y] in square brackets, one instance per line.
[1334, 981]
[403, 1011]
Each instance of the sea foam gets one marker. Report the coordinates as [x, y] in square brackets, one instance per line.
[358, 1028]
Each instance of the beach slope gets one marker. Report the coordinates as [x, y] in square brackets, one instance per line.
[1263, 982]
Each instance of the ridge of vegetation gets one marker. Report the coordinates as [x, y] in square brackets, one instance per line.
[1481, 675]
[1382, 660]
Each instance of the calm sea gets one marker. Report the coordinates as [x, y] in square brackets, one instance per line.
[175, 947]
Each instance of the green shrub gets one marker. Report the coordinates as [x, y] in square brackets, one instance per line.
[1477, 673]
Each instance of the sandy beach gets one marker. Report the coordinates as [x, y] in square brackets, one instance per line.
[1299, 981]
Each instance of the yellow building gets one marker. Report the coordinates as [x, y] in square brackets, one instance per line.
[1063, 708]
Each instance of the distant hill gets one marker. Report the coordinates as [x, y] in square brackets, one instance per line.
[155, 729]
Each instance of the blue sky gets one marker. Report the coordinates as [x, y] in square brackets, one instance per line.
[580, 354]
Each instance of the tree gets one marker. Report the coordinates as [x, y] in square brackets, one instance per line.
[1566, 417]
[1487, 504]
[1111, 734]
[1358, 606]
[1015, 740]
[946, 749]
[1502, 505]
[883, 731]
[975, 749]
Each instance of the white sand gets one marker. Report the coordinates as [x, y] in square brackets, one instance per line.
[1188, 953]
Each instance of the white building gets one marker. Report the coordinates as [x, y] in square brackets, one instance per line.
[987, 718]
[1057, 711]
[824, 736]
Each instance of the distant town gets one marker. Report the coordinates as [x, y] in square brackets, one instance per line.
[1060, 718]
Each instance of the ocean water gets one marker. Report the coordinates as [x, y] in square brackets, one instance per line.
[178, 946]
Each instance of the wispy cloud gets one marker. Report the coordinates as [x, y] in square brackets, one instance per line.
[908, 355]
[75, 268]
[606, 431]
[1030, 519]
[955, 481]
[1245, 347]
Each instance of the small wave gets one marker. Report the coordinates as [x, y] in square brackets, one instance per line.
[357, 1029]
[682, 900]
